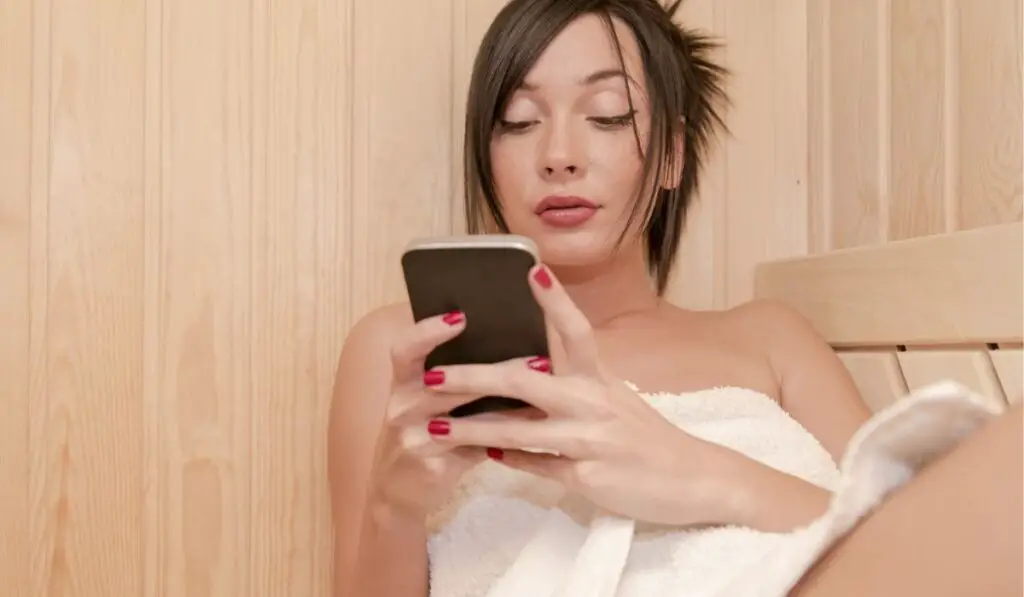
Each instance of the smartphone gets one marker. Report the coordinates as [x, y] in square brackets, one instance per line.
[486, 277]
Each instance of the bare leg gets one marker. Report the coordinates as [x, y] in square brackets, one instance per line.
[956, 529]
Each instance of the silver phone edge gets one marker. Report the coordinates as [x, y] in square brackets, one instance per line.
[475, 241]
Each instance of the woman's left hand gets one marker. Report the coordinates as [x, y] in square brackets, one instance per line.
[601, 439]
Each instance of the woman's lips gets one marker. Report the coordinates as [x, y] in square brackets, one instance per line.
[562, 211]
[567, 217]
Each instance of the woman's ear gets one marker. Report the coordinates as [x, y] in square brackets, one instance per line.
[675, 161]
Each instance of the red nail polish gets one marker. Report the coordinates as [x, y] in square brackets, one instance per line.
[540, 364]
[542, 277]
[439, 428]
[495, 453]
[454, 318]
[433, 378]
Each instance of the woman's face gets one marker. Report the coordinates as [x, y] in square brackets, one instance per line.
[564, 155]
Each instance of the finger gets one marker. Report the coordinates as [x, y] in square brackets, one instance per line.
[458, 458]
[549, 466]
[572, 326]
[525, 379]
[556, 437]
[416, 406]
[413, 344]
[418, 440]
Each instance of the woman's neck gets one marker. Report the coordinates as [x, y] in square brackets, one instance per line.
[612, 289]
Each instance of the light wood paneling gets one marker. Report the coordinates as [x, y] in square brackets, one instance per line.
[972, 368]
[16, 349]
[753, 200]
[957, 288]
[915, 120]
[916, 114]
[1009, 367]
[195, 205]
[878, 377]
[922, 310]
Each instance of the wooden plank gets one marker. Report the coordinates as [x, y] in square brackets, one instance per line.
[989, 113]
[1009, 366]
[877, 375]
[16, 266]
[957, 288]
[971, 368]
[918, 151]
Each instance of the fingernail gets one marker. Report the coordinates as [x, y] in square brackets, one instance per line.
[539, 364]
[495, 453]
[439, 428]
[542, 277]
[433, 378]
[454, 318]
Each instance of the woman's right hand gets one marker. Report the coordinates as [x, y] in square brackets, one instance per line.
[412, 474]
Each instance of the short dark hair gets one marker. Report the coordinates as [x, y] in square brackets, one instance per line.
[684, 85]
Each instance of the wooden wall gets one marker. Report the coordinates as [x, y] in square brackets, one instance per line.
[915, 118]
[197, 200]
[915, 130]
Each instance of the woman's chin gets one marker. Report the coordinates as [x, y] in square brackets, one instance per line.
[574, 250]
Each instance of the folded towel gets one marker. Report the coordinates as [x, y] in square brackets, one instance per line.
[507, 534]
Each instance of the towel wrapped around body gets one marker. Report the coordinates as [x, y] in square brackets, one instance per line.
[505, 533]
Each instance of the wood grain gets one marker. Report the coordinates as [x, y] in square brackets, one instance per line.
[86, 429]
[858, 116]
[16, 190]
[1009, 367]
[766, 206]
[199, 239]
[917, 105]
[878, 377]
[990, 118]
[972, 368]
[949, 289]
[915, 118]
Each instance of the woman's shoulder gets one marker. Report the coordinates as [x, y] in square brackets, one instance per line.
[766, 314]
[367, 347]
[380, 325]
[751, 321]
[769, 330]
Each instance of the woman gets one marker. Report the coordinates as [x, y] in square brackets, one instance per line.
[609, 104]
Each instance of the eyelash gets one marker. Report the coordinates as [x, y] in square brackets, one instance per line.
[607, 123]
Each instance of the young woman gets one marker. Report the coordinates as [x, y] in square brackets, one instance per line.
[587, 126]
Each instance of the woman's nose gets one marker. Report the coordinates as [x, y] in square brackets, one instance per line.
[561, 156]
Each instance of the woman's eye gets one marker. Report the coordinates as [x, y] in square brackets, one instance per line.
[614, 122]
[515, 126]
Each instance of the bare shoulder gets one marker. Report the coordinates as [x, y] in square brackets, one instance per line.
[377, 329]
[362, 388]
[759, 327]
[770, 322]
[365, 361]
[816, 387]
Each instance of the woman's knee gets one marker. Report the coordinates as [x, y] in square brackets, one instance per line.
[960, 517]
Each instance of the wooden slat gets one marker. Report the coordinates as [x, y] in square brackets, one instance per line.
[1009, 366]
[958, 288]
[878, 377]
[972, 368]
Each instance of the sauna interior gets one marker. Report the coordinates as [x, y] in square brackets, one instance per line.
[197, 200]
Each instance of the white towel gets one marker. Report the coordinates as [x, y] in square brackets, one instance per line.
[506, 534]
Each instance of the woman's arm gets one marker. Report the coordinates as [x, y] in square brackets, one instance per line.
[818, 392]
[815, 387]
[370, 542]
[745, 492]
